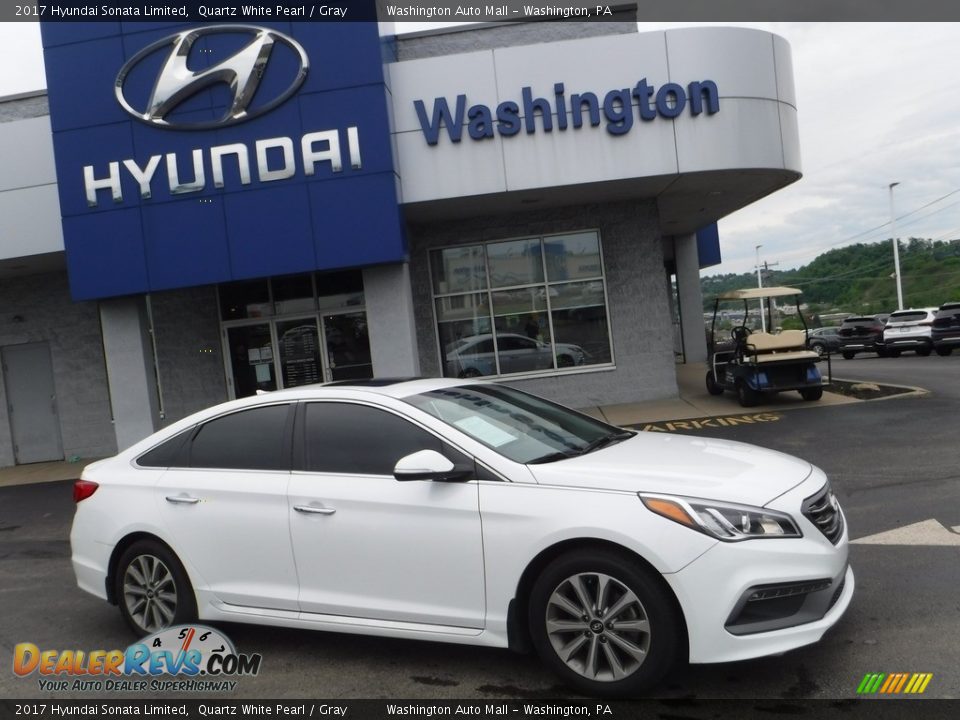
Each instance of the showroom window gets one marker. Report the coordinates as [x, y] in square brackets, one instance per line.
[529, 305]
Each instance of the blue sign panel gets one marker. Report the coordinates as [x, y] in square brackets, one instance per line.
[189, 155]
[708, 246]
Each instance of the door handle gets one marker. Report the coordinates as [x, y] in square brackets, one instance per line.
[314, 510]
[182, 500]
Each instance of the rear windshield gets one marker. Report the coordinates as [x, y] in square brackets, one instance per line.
[860, 321]
[908, 316]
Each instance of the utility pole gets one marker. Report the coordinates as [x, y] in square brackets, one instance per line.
[896, 250]
[763, 320]
[772, 301]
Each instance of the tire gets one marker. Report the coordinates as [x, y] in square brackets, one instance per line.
[849, 355]
[882, 352]
[173, 600]
[811, 394]
[469, 373]
[924, 351]
[944, 351]
[747, 396]
[712, 386]
[893, 353]
[565, 361]
[818, 348]
[594, 647]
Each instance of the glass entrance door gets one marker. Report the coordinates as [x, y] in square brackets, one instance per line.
[298, 342]
[288, 352]
[251, 358]
[348, 346]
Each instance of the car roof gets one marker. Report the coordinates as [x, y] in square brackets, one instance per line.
[754, 293]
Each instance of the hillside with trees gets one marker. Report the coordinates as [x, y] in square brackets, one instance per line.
[859, 278]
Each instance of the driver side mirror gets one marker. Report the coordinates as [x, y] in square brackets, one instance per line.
[429, 465]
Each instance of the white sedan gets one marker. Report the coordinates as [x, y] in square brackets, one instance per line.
[471, 513]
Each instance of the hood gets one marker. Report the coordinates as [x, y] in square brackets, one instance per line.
[681, 465]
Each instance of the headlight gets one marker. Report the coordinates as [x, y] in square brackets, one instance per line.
[723, 521]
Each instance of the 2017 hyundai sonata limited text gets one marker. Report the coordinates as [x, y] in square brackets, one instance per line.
[467, 512]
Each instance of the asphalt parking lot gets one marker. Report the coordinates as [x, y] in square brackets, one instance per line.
[894, 463]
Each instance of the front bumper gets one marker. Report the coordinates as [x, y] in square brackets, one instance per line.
[712, 590]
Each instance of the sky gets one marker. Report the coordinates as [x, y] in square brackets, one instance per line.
[878, 103]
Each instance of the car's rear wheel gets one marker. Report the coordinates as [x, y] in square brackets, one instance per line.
[923, 351]
[811, 394]
[152, 588]
[944, 351]
[604, 623]
[712, 386]
[849, 355]
[893, 353]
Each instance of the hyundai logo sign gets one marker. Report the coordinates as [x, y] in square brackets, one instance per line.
[242, 72]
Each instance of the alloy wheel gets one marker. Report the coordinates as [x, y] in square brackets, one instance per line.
[598, 627]
[150, 593]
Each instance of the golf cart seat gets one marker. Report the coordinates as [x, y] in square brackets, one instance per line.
[789, 345]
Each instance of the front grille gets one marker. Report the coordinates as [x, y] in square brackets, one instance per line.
[824, 512]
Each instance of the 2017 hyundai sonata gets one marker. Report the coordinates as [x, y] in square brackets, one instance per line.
[470, 513]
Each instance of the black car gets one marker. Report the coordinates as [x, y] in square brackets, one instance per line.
[862, 334]
[824, 340]
[946, 328]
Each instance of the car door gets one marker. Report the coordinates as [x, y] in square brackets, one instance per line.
[226, 510]
[367, 545]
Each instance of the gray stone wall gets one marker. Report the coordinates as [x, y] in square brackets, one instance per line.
[638, 302]
[189, 352]
[26, 105]
[38, 308]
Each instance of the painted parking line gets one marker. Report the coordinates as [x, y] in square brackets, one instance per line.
[710, 422]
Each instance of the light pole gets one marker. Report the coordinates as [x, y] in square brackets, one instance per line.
[896, 250]
[763, 321]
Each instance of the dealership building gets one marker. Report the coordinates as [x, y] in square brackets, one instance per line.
[193, 213]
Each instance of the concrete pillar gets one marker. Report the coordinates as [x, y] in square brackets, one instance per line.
[130, 369]
[393, 339]
[691, 299]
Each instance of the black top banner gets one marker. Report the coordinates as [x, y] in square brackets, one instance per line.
[401, 11]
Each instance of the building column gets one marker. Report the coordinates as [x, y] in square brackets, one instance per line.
[131, 374]
[393, 339]
[691, 299]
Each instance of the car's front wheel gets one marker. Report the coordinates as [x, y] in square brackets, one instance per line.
[849, 355]
[152, 588]
[604, 623]
[944, 351]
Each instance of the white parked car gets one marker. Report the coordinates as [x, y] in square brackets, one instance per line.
[910, 330]
[474, 356]
[470, 513]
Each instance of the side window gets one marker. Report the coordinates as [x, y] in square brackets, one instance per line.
[358, 439]
[245, 440]
[171, 453]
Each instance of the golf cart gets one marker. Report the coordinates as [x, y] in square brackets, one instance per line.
[752, 363]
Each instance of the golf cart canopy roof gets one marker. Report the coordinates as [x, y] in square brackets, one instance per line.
[754, 293]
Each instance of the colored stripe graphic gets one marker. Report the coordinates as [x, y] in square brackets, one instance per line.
[894, 683]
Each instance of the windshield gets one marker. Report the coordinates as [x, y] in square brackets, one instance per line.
[907, 317]
[521, 427]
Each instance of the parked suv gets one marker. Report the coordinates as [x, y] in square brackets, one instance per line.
[862, 334]
[946, 328]
[824, 340]
[909, 330]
